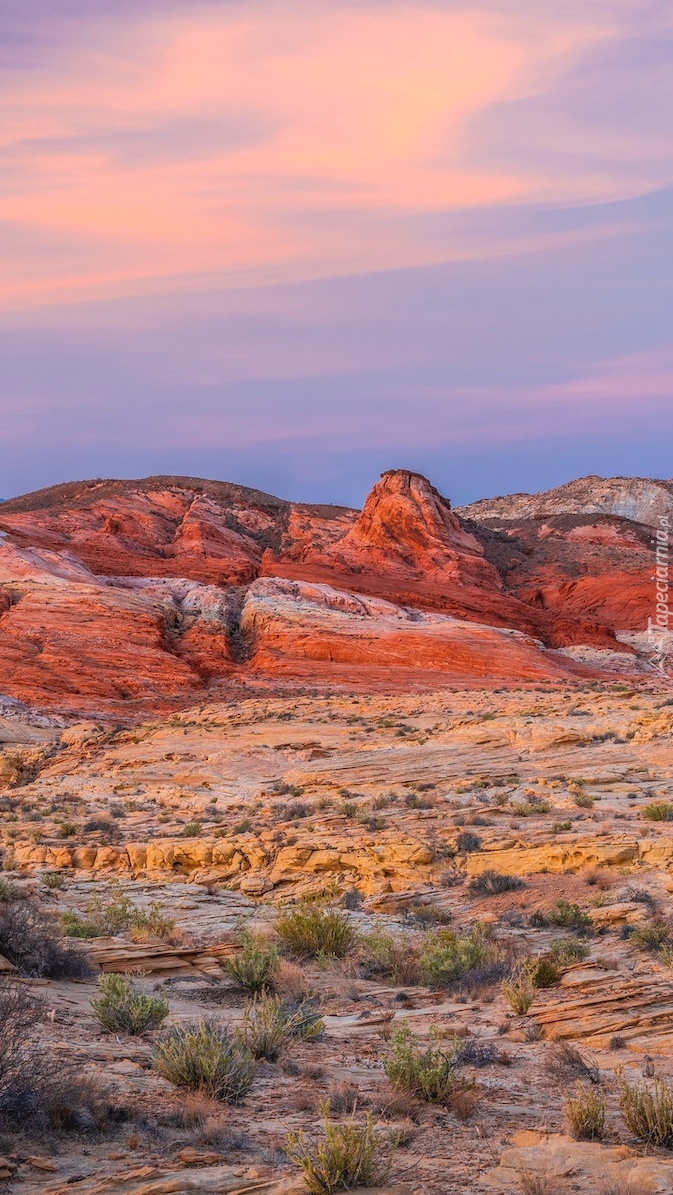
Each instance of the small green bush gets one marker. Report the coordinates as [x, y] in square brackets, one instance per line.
[534, 808]
[447, 956]
[123, 1007]
[567, 915]
[584, 800]
[545, 972]
[311, 931]
[428, 1073]
[266, 1026]
[492, 883]
[585, 1113]
[53, 879]
[384, 955]
[113, 912]
[566, 951]
[658, 811]
[652, 936]
[348, 1155]
[191, 830]
[519, 989]
[204, 1056]
[254, 966]
[648, 1111]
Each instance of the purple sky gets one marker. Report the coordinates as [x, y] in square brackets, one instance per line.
[292, 244]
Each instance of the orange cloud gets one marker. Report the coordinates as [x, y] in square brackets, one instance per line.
[344, 122]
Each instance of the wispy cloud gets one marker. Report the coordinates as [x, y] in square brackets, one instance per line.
[262, 142]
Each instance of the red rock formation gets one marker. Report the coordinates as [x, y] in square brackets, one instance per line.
[119, 593]
[313, 631]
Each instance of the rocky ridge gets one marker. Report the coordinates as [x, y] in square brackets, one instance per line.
[118, 595]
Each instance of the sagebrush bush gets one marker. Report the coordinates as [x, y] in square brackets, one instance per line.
[269, 1022]
[205, 1056]
[112, 912]
[492, 883]
[566, 951]
[428, 1072]
[384, 955]
[585, 1113]
[648, 1111]
[568, 915]
[544, 971]
[348, 1155]
[30, 939]
[38, 1090]
[123, 1006]
[519, 989]
[255, 965]
[564, 1062]
[653, 936]
[312, 931]
[658, 811]
[266, 1026]
[448, 956]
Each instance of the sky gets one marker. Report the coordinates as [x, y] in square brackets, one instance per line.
[292, 244]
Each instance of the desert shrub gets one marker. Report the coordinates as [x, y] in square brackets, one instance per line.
[658, 811]
[305, 1020]
[467, 842]
[584, 800]
[384, 955]
[567, 915]
[255, 966]
[448, 956]
[113, 912]
[533, 808]
[204, 1056]
[10, 891]
[539, 1183]
[648, 1111]
[492, 883]
[344, 1097]
[266, 1026]
[426, 1072]
[20, 1010]
[310, 931]
[53, 879]
[348, 1155]
[566, 951]
[652, 936]
[29, 939]
[564, 1062]
[519, 989]
[67, 830]
[472, 1052]
[561, 827]
[544, 972]
[122, 1006]
[37, 1090]
[191, 830]
[585, 1113]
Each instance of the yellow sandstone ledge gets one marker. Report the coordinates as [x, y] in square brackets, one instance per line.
[257, 866]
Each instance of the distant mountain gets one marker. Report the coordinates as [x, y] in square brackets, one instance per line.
[641, 499]
[124, 595]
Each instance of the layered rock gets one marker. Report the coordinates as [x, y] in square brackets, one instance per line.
[640, 499]
[298, 629]
[119, 593]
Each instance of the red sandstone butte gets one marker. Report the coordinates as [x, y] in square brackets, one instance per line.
[124, 594]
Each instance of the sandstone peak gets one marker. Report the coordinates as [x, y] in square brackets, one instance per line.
[404, 515]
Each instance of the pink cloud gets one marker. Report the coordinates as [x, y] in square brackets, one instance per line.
[357, 117]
